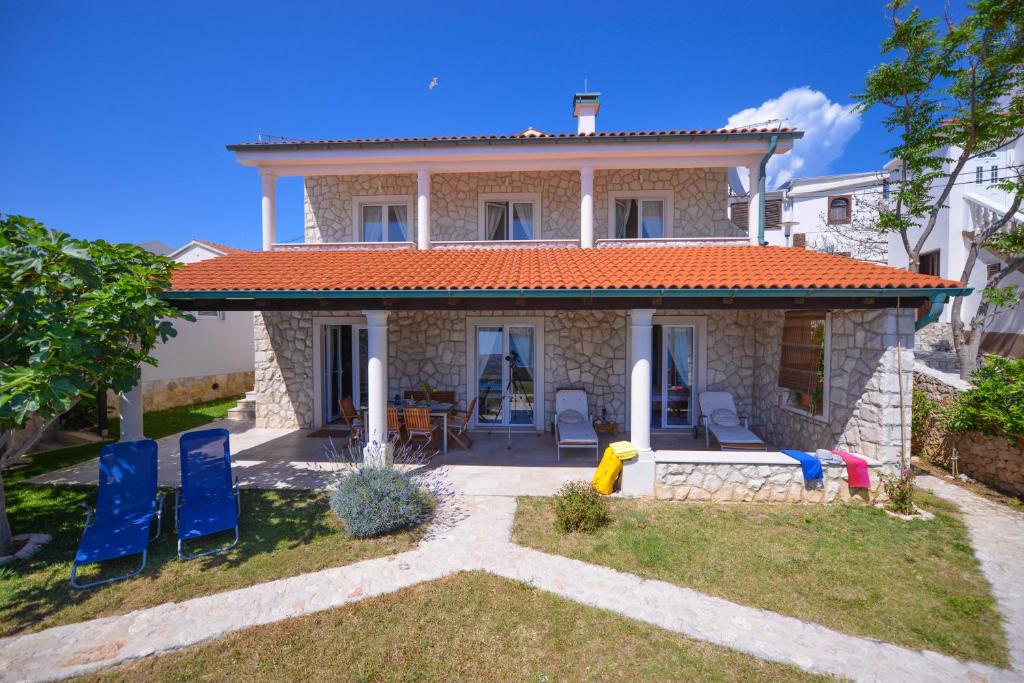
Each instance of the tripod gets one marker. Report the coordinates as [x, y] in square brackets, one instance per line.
[513, 388]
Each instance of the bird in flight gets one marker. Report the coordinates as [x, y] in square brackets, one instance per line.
[433, 83]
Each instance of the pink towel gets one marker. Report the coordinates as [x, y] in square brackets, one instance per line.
[856, 470]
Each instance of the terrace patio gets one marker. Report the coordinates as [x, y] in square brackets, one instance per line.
[293, 459]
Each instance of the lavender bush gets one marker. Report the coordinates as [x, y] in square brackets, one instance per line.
[374, 499]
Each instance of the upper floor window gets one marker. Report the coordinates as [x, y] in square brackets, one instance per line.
[839, 209]
[641, 215]
[994, 173]
[979, 175]
[510, 217]
[929, 263]
[382, 219]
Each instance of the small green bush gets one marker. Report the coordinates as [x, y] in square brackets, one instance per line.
[995, 405]
[373, 501]
[923, 410]
[900, 491]
[578, 507]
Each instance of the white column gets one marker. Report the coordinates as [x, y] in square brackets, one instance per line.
[130, 408]
[377, 385]
[638, 473]
[268, 205]
[423, 209]
[753, 202]
[587, 206]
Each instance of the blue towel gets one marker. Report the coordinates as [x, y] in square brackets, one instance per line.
[810, 464]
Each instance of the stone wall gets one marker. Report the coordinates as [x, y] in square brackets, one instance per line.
[698, 198]
[158, 394]
[864, 402]
[768, 483]
[994, 460]
[284, 368]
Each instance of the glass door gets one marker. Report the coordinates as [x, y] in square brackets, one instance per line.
[343, 366]
[332, 365]
[505, 371]
[674, 377]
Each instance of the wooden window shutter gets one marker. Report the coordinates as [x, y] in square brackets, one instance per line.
[773, 214]
[802, 350]
[739, 216]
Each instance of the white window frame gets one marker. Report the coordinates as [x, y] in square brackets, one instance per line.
[384, 200]
[539, 353]
[667, 219]
[826, 381]
[517, 197]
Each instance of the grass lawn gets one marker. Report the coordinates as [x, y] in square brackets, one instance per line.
[849, 567]
[471, 626]
[282, 534]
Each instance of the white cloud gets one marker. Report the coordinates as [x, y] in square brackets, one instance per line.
[827, 127]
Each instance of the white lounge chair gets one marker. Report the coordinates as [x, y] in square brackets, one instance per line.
[574, 427]
[719, 418]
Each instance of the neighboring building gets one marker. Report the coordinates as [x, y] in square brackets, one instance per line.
[605, 261]
[209, 358]
[836, 214]
[972, 206]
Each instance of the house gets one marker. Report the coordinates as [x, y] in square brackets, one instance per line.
[207, 359]
[973, 203]
[507, 267]
[835, 213]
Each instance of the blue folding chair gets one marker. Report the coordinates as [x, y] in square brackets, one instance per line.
[207, 501]
[126, 506]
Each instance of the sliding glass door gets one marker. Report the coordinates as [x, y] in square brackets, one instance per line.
[343, 367]
[505, 371]
[674, 376]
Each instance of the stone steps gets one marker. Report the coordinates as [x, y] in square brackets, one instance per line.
[245, 409]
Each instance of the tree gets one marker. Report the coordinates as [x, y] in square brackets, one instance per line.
[74, 315]
[953, 92]
[860, 238]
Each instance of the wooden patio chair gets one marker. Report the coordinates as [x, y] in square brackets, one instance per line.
[418, 425]
[394, 423]
[458, 426]
[352, 419]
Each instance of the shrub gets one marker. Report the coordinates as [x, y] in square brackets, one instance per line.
[373, 501]
[900, 491]
[922, 412]
[578, 507]
[995, 405]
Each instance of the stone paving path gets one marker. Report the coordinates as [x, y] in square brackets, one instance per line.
[997, 534]
[476, 536]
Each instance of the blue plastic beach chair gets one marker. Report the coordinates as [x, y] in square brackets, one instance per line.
[126, 506]
[207, 501]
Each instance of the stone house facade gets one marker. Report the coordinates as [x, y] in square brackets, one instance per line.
[505, 268]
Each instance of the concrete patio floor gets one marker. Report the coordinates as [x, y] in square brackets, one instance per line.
[292, 459]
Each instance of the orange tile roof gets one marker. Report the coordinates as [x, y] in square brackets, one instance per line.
[570, 268]
[222, 247]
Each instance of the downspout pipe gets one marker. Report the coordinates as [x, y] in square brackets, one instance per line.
[772, 145]
[938, 303]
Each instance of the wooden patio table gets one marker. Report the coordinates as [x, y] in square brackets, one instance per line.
[437, 410]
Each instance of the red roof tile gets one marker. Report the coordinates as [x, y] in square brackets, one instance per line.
[725, 267]
[538, 135]
[223, 247]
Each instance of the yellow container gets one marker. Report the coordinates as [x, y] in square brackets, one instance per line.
[610, 468]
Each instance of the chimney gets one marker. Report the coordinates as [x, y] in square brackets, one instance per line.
[585, 106]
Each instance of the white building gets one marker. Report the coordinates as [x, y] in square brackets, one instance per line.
[209, 358]
[972, 206]
[834, 214]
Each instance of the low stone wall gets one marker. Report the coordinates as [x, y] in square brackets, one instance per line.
[159, 394]
[760, 483]
[993, 460]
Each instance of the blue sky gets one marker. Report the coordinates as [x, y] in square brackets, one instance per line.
[115, 115]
